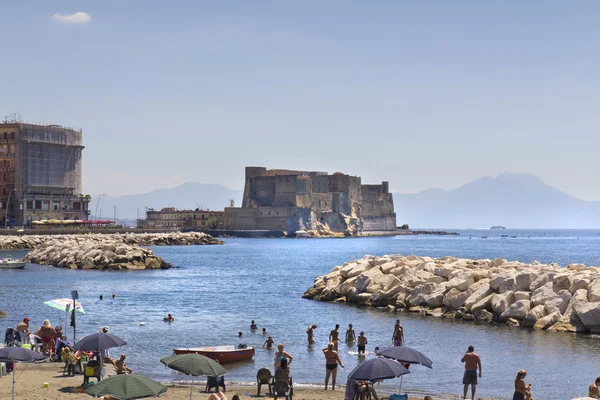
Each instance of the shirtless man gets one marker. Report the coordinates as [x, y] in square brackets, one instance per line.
[362, 341]
[472, 363]
[122, 368]
[311, 334]
[398, 336]
[350, 335]
[594, 389]
[23, 328]
[334, 336]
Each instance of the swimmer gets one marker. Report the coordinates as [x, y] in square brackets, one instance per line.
[101, 297]
[362, 341]
[269, 343]
[311, 334]
[113, 296]
[169, 318]
[350, 335]
[264, 331]
[253, 326]
[334, 336]
[240, 334]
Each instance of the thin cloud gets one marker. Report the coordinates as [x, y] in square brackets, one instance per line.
[77, 18]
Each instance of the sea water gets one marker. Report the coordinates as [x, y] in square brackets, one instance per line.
[218, 290]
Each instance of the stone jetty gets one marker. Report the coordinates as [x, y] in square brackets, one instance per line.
[79, 252]
[536, 295]
[21, 242]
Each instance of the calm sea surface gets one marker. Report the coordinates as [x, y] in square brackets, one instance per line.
[219, 289]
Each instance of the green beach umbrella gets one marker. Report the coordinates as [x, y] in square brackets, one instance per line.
[126, 387]
[194, 365]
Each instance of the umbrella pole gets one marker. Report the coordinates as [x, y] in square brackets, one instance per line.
[401, 379]
[13, 380]
[192, 388]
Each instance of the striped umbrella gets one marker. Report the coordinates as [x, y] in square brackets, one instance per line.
[62, 304]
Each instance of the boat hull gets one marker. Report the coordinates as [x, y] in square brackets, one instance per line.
[16, 265]
[223, 356]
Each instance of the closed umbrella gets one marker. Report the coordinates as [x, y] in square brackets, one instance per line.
[19, 354]
[127, 387]
[194, 365]
[99, 342]
[376, 369]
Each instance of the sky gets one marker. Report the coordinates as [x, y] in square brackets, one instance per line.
[420, 94]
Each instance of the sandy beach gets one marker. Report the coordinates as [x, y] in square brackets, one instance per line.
[31, 379]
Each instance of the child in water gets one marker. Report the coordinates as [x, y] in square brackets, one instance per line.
[253, 326]
[264, 331]
[269, 343]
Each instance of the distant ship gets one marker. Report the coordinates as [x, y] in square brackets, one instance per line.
[497, 227]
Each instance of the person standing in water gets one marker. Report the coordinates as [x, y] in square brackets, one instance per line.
[398, 336]
[269, 343]
[311, 334]
[280, 355]
[334, 336]
[253, 326]
[332, 359]
[362, 342]
[350, 335]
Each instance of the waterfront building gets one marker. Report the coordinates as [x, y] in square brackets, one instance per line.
[171, 218]
[291, 201]
[40, 170]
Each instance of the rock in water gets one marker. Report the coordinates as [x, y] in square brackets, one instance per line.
[3, 314]
[542, 296]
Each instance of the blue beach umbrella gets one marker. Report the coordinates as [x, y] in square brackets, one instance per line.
[19, 354]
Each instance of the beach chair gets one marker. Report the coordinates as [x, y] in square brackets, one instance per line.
[215, 382]
[264, 377]
[282, 388]
[12, 337]
[70, 361]
[92, 370]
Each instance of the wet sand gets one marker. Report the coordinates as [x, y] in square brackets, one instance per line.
[31, 377]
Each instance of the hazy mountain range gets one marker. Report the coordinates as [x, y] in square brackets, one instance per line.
[511, 200]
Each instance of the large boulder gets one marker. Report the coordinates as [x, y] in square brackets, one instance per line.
[480, 293]
[454, 298]
[534, 314]
[501, 302]
[559, 302]
[542, 294]
[588, 313]
[547, 321]
[354, 269]
[594, 290]
[482, 304]
[579, 295]
[517, 310]
[579, 282]
[524, 280]
[541, 280]
[461, 282]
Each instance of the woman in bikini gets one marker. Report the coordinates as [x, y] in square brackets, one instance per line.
[281, 354]
[311, 334]
[522, 391]
[332, 359]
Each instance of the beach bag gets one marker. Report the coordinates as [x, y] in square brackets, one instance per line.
[398, 397]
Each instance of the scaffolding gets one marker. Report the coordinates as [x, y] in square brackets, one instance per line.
[50, 158]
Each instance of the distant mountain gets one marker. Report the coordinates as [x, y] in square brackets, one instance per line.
[511, 200]
[189, 195]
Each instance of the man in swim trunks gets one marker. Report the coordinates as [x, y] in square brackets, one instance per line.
[332, 359]
[23, 328]
[472, 363]
[350, 335]
[269, 343]
[398, 336]
[334, 336]
[362, 341]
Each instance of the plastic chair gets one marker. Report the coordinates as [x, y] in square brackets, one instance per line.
[92, 370]
[282, 389]
[70, 361]
[264, 377]
[215, 382]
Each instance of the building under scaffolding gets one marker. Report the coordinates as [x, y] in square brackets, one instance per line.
[41, 173]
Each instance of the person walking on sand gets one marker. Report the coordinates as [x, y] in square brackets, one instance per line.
[594, 389]
[472, 363]
[332, 359]
[280, 355]
[398, 336]
[311, 334]
[362, 342]
[334, 336]
[522, 391]
[350, 335]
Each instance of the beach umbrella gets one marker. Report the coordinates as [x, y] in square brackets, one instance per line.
[65, 305]
[99, 342]
[194, 365]
[376, 369]
[126, 387]
[405, 355]
[19, 354]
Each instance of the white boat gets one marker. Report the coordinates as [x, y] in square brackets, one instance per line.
[9, 263]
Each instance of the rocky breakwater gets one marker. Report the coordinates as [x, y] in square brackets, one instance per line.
[79, 252]
[538, 296]
[15, 242]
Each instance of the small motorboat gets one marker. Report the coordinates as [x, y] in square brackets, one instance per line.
[222, 354]
[9, 263]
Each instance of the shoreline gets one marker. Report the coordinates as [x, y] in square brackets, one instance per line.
[31, 379]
